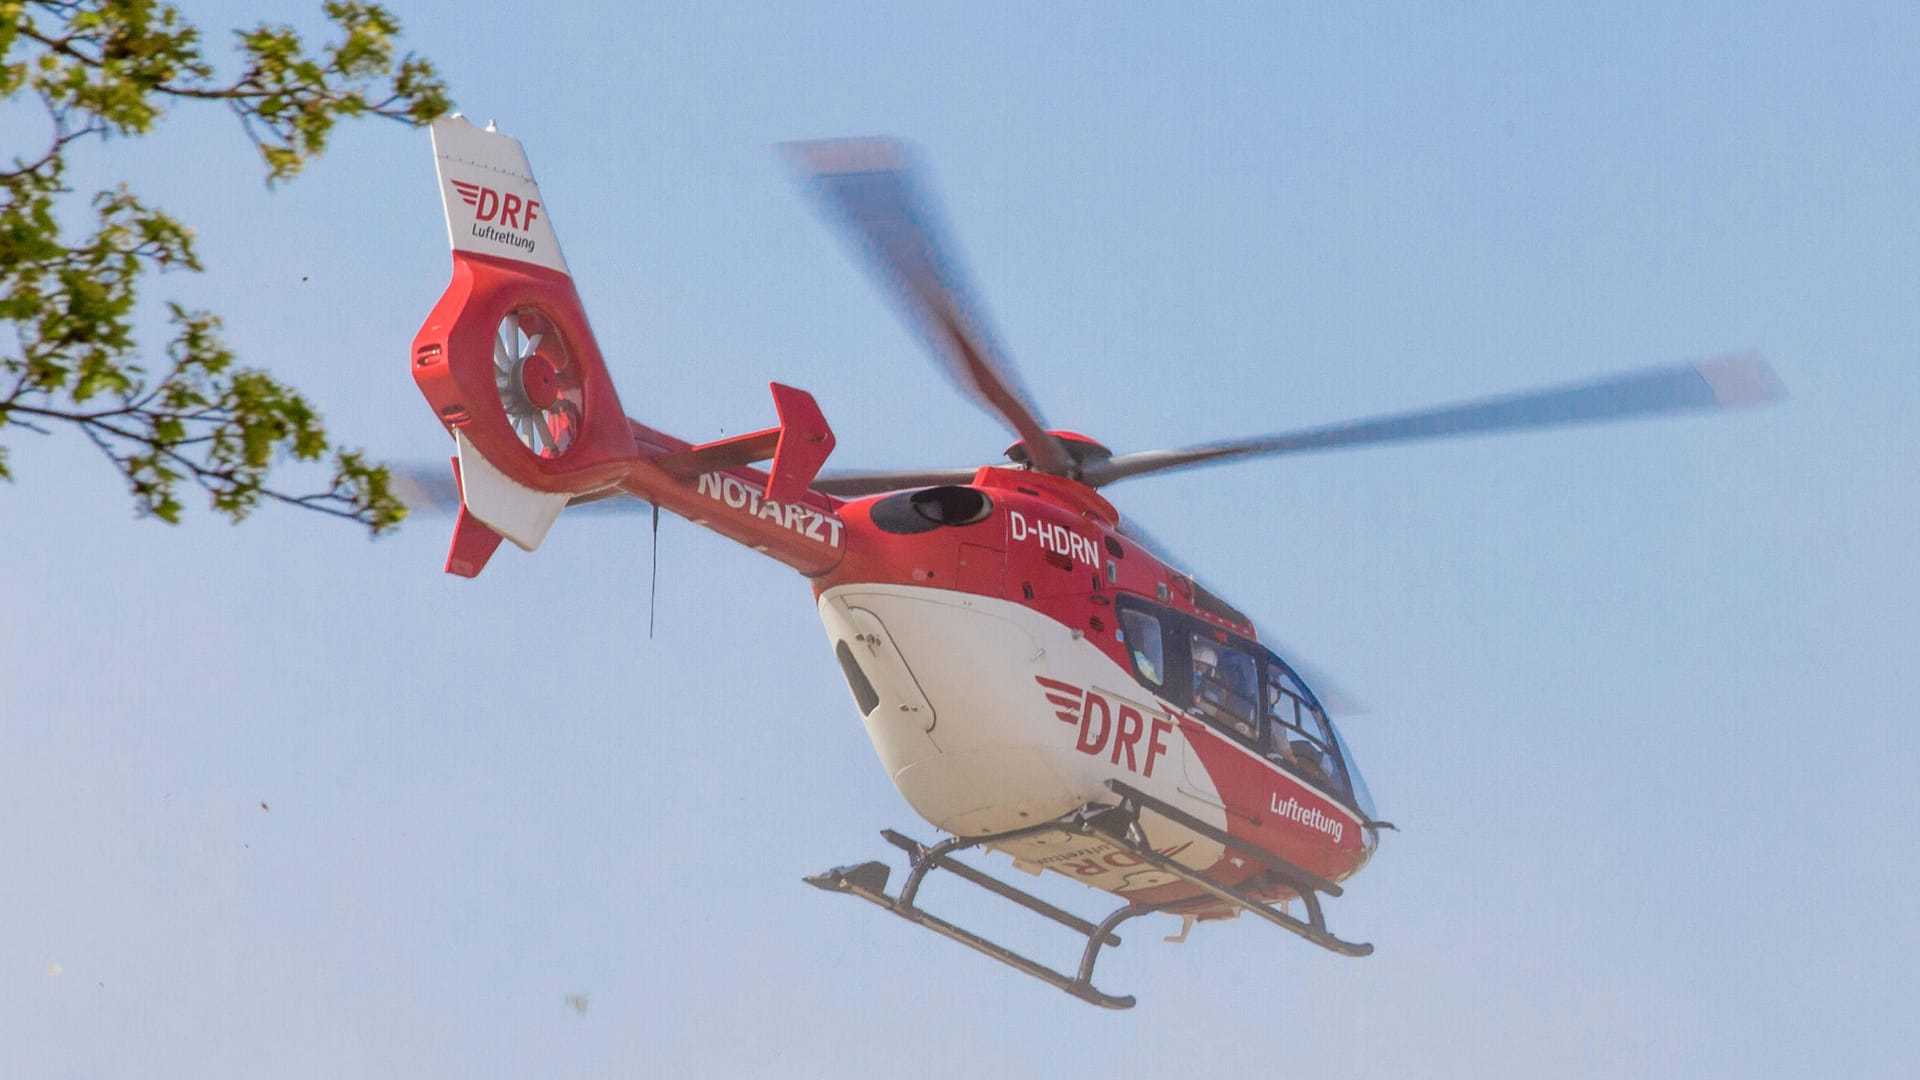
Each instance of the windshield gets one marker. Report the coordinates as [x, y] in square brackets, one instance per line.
[1225, 685]
[1303, 741]
[1362, 798]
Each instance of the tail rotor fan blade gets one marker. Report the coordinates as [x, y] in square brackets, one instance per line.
[538, 381]
[852, 485]
[565, 417]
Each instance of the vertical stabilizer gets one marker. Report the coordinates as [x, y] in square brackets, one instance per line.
[492, 205]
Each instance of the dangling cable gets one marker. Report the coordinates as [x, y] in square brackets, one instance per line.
[653, 586]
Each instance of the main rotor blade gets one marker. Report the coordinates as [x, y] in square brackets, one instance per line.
[852, 485]
[872, 190]
[430, 489]
[1723, 382]
[425, 487]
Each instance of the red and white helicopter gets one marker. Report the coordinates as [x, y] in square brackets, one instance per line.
[1035, 677]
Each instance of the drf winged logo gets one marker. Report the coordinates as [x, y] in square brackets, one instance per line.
[1103, 723]
[512, 211]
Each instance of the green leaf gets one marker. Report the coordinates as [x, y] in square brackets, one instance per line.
[114, 67]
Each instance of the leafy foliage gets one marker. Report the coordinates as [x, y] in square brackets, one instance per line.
[112, 68]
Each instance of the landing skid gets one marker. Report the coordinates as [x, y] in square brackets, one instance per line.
[1117, 824]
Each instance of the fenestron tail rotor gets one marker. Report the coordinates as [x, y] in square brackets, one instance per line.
[539, 383]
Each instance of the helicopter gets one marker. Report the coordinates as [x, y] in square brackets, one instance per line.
[1036, 675]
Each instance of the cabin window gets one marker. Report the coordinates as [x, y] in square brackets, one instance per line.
[1225, 686]
[1240, 688]
[1141, 633]
[1298, 738]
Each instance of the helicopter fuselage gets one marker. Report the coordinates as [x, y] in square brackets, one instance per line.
[994, 637]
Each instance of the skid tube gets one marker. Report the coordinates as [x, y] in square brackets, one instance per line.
[868, 881]
[1118, 824]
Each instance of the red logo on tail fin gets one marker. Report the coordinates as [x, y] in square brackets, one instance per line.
[490, 205]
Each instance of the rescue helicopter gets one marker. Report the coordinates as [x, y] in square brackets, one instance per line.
[1037, 677]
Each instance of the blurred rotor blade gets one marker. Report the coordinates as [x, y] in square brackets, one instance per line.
[1333, 696]
[872, 190]
[425, 487]
[429, 488]
[851, 485]
[1724, 382]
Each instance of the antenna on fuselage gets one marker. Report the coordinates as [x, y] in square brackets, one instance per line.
[653, 583]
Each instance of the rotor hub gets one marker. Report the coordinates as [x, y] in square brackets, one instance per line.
[539, 381]
[1080, 449]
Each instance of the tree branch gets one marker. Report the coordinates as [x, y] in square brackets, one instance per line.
[102, 67]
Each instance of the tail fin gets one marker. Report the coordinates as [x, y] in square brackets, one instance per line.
[507, 359]
[492, 205]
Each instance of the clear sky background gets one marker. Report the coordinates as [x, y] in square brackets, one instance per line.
[1641, 697]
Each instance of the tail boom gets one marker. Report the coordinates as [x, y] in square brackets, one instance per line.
[773, 512]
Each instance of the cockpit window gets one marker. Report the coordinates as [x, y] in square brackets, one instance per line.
[1226, 686]
[1362, 798]
[1282, 679]
[1141, 632]
[1298, 737]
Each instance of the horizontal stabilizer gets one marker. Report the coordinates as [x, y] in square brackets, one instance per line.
[798, 447]
[504, 505]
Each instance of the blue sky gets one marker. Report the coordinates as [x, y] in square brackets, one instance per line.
[1638, 695]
